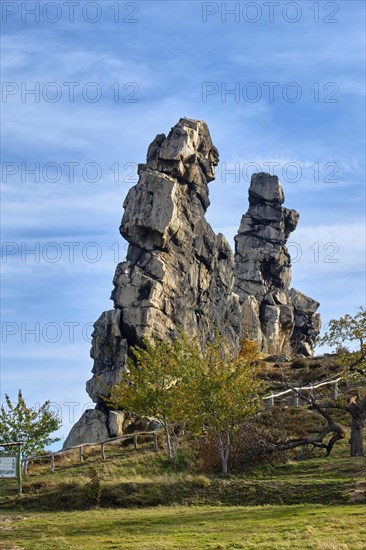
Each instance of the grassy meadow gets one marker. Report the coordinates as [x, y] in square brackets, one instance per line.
[137, 502]
[189, 528]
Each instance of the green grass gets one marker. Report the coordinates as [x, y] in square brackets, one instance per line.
[145, 505]
[189, 528]
[142, 479]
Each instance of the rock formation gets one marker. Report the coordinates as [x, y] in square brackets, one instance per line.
[179, 274]
[282, 320]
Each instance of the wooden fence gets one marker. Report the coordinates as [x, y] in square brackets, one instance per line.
[154, 434]
[311, 389]
[134, 437]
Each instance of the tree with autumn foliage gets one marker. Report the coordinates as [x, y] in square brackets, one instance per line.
[349, 330]
[224, 389]
[213, 389]
[348, 334]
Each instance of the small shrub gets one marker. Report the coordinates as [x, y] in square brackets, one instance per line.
[201, 481]
[94, 486]
[207, 456]
[252, 447]
[299, 364]
[341, 350]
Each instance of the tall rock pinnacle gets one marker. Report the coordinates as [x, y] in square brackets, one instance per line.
[178, 274]
[282, 320]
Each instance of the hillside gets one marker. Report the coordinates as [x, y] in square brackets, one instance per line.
[135, 500]
[142, 477]
[131, 478]
[319, 498]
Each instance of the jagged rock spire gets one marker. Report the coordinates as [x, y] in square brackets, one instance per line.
[178, 273]
[263, 272]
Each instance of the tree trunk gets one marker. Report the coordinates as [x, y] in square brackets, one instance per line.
[329, 446]
[223, 457]
[169, 450]
[357, 410]
[356, 436]
[224, 454]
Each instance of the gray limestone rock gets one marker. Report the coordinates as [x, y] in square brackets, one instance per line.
[178, 273]
[265, 188]
[307, 323]
[109, 349]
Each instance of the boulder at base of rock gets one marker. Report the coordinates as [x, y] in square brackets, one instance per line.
[143, 424]
[115, 423]
[90, 428]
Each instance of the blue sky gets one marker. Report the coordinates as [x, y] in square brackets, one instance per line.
[166, 59]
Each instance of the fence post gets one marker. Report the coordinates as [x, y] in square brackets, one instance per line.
[135, 441]
[102, 453]
[81, 454]
[52, 462]
[19, 469]
[155, 442]
[296, 400]
[271, 402]
[335, 389]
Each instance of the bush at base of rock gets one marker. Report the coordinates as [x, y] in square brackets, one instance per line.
[299, 364]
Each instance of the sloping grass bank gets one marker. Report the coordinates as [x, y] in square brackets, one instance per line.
[141, 478]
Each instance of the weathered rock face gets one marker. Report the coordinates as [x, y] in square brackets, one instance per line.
[95, 426]
[179, 274]
[282, 320]
[307, 323]
[90, 428]
[109, 350]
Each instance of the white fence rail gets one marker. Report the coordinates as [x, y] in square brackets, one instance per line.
[311, 388]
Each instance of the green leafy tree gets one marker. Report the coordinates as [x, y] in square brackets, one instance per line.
[348, 334]
[21, 423]
[153, 385]
[212, 390]
[224, 390]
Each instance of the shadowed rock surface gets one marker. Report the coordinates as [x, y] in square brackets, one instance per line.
[179, 274]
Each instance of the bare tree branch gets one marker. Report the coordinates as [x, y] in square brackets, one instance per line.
[317, 440]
